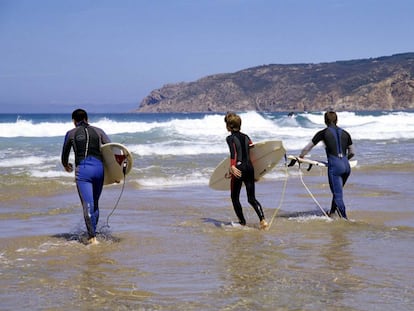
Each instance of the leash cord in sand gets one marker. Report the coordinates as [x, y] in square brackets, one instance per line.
[282, 196]
[310, 193]
[120, 195]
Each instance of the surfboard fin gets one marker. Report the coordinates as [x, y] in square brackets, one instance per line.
[292, 162]
[124, 166]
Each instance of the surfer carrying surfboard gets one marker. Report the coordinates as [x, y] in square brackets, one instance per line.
[339, 149]
[241, 169]
[89, 171]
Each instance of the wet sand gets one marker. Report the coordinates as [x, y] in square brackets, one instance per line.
[172, 249]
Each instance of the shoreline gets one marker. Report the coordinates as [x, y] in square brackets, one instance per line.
[171, 249]
[369, 195]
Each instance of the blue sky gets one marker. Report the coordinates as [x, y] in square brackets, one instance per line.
[107, 55]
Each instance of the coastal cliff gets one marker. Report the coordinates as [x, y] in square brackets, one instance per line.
[384, 83]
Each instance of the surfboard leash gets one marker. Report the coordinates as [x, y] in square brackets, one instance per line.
[308, 190]
[124, 167]
[282, 196]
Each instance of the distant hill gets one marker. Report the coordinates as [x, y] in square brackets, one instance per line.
[384, 83]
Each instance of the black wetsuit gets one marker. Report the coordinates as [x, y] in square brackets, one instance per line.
[239, 156]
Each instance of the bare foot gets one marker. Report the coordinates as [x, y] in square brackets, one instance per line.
[93, 241]
[264, 225]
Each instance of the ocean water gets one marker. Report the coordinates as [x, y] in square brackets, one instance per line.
[183, 149]
[168, 245]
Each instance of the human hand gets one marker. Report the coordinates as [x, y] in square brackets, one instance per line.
[69, 168]
[235, 171]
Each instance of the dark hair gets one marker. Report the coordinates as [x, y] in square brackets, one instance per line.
[79, 115]
[331, 118]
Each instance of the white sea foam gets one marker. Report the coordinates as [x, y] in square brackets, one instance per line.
[26, 128]
[50, 174]
[259, 126]
[176, 148]
[22, 161]
[179, 149]
[177, 181]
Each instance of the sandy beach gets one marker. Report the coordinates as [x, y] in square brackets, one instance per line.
[173, 249]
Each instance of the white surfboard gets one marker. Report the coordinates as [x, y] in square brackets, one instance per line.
[116, 158]
[352, 163]
[264, 156]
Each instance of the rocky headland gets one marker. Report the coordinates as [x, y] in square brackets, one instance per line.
[384, 83]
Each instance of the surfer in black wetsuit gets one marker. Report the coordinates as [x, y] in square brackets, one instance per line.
[241, 169]
[339, 150]
[86, 141]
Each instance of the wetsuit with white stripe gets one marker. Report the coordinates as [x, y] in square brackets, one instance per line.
[86, 141]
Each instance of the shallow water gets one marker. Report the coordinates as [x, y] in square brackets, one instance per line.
[173, 249]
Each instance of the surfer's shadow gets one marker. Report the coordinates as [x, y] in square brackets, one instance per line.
[216, 222]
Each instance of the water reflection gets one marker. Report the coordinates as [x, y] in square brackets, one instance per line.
[337, 252]
[247, 277]
[103, 282]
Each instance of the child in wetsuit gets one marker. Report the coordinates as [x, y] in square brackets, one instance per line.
[241, 169]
